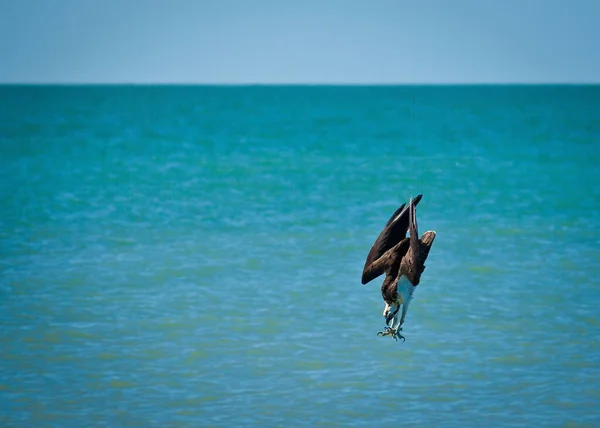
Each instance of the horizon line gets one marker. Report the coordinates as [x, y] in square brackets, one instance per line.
[245, 84]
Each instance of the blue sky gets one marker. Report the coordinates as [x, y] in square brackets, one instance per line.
[300, 41]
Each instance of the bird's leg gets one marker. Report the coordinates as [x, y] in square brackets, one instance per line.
[394, 331]
[397, 335]
[404, 312]
[389, 320]
[385, 332]
[390, 330]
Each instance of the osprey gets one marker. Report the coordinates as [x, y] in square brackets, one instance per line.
[402, 260]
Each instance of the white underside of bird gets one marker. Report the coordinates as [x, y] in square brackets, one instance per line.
[400, 306]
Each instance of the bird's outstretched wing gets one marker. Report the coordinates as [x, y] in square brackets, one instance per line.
[425, 245]
[413, 262]
[392, 234]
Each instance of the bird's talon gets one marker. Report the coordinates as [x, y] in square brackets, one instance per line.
[392, 332]
[386, 332]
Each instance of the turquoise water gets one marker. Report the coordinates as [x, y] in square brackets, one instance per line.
[191, 256]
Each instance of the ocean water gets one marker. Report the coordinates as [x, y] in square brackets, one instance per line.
[191, 256]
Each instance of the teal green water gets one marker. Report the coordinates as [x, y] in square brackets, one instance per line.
[191, 256]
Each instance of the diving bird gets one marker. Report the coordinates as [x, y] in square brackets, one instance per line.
[402, 260]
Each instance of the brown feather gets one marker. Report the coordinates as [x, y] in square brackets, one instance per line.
[393, 232]
[406, 257]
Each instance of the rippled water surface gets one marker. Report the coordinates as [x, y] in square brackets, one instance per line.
[191, 256]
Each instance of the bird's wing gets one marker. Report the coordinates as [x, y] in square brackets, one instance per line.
[413, 263]
[425, 244]
[398, 211]
[410, 264]
[389, 262]
[393, 232]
